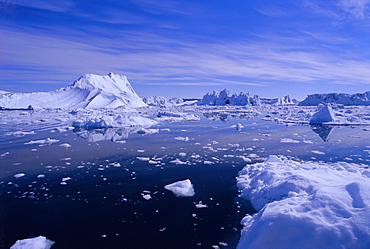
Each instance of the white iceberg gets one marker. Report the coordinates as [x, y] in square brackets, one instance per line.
[181, 188]
[40, 242]
[305, 205]
[323, 115]
[90, 91]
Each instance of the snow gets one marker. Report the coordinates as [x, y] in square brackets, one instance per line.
[305, 204]
[90, 91]
[339, 98]
[181, 188]
[34, 243]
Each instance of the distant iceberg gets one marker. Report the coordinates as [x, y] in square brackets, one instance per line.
[339, 98]
[242, 99]
[90, 91]
[181, 188]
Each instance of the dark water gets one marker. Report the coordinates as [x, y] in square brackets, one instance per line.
[101, 206]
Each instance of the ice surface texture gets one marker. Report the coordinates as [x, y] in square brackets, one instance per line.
[305, 205]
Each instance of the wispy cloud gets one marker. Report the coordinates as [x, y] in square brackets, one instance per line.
[358, 9]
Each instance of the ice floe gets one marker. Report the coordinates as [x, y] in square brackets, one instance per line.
[40, 242]
[305, 204]
[181, 188]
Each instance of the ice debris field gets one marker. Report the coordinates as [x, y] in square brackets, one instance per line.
[297, 198]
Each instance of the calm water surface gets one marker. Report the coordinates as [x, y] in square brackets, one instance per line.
[100, 204]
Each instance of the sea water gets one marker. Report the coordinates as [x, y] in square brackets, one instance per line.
[105, 188]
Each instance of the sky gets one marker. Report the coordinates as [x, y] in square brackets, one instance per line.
[188, 48]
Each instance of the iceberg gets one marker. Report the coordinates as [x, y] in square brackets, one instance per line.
[181, 188]
[90, 91]
[323, 115]
[40, 242]
[305, 204]
[225, 98]
[339, 98]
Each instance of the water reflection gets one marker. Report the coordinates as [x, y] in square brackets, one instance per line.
[324, 131]
[112, 134]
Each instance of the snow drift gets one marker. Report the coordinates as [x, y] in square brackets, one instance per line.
[89, 91]
[305, 205]
[339, 98]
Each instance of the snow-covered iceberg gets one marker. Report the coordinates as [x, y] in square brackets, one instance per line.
[181, 188]
[324, 114]
[34, 243]
[305, 205]
[89, 91]
[339, 98]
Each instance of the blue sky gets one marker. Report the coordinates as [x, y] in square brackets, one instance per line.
[188, 48]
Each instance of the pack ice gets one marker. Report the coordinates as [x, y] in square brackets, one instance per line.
[89, 91]
[34, 243]
[305, 205]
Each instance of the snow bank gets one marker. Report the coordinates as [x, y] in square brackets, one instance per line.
[305, 205]
[339, 98]
[181, 188]
[89, 91]
[34, 243]
[124, 120]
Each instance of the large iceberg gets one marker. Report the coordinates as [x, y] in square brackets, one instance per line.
[339, 98]
[89, 91]
[305, 205]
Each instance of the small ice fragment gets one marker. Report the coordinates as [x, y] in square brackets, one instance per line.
[289, 140]
[65, 145]
[41, 176]
[200, 205]
[318, 152]
[140, 158]
[40, 242]
[162, 229]
[141, 151]
[66, 179]
[147, 197]
[177, 161]
[181, 188]
[182, 154]
[115, 164]
[19, 175]
[182, 138]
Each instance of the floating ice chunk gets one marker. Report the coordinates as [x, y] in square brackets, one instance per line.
[289, 140]
[181, 188]
[146, 196]
[65, 145]
[43, 141]
[176, 116]
[41, 176]
[177, 161]
[140, 158]
[34, 243]
[200, 204]
[238, 126]
[147, 131]
[19, 175]
[182, 138]
[64, 179]
[318, 152]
